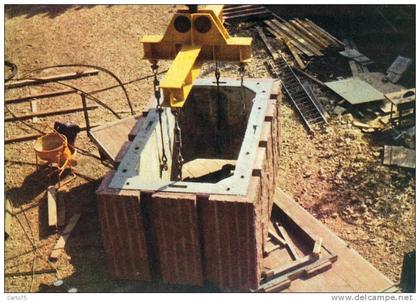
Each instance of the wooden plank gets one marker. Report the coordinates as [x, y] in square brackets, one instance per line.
[28, 137]
[271, 249]
[283, 40]
[110, 137]
[313, 29]
[324, 32]
[399, 156]
[52, 206]
[122, 224]
[286, 37]
[253, 9]
[267, 44]
[300, 262]
[309, 76]
[129, 121]
[317, 246]
[277, 287]
[40, 96]
[276, 35]
[256, 14]
[85, 111]
[319, 32]
[61, 209]
[276, 237]
[30, 273]
[61, 242]
[237, 8]
[34, 108]
[314, 32]
[327, 281]
[298, 35]
[295, 270]
[121, 153]
[7, 219]
[289, 242]
[295, 55]
[136, 128]
[48, 113]
[352, 270]
[309, 35]
[297, 38]
[47, 79]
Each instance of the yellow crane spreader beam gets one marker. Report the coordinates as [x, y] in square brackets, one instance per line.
[190, 39]
[179, 79]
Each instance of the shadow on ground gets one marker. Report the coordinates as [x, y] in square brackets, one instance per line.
[48, 10]
[85, 251]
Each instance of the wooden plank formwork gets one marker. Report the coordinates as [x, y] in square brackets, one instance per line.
[350, 273]
[186, 238]
[123, 232]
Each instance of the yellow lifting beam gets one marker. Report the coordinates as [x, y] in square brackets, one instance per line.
[190, 39]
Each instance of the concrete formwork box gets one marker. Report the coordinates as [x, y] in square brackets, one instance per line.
[211, 225]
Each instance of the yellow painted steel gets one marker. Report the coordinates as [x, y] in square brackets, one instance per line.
[179, 80]
[191, 47]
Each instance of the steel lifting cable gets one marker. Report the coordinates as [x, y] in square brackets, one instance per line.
[89, 66]
[156, 88]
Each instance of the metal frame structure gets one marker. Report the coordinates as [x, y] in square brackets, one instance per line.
[128, 175]
[193, 36]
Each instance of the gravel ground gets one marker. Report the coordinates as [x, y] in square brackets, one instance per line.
[336, 174]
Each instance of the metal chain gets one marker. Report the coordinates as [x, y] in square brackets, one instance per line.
[156, 88]
[178, 145]
[242, 74]
[219, 108]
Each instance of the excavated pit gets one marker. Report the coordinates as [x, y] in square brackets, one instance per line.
[212, 225]
[219, 139]
[213, 128]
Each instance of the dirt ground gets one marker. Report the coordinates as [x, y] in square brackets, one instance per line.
[336, 174]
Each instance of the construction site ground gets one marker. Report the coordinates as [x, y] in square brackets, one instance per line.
[336, 174]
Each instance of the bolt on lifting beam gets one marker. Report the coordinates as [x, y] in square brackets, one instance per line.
[193, 36]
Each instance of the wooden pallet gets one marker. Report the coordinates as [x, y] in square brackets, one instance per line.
[111, 137]
[350, 273]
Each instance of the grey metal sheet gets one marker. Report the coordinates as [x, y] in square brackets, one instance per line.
[399, 65]
[355, 91]
[397, 68]
[399, 156]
